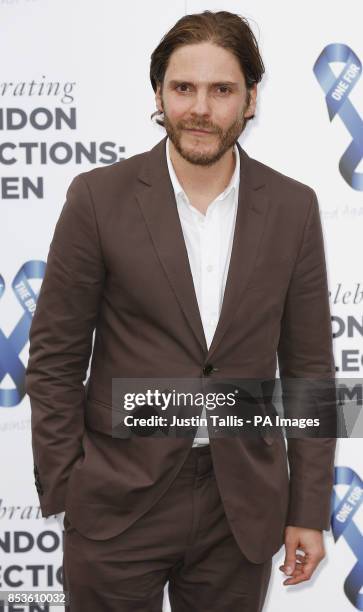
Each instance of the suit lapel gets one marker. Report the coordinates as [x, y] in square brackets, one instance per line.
[250, 221]
[156, 198]
[158, 205]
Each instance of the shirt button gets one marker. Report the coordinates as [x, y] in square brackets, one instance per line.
[210, 268]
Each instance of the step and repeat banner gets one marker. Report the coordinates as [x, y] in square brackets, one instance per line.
[75, 94]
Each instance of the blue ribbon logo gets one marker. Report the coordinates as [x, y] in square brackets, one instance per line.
[337, 91]
[344, 510]
[11, 347]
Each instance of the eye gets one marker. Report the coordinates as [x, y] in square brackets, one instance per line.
[184, 85]
[226, 89]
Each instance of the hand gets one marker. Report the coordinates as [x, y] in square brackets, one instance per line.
[301, 566]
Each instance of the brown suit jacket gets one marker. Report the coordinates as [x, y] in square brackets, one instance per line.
[118, 265]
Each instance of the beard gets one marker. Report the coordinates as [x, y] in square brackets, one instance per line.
[196, 154]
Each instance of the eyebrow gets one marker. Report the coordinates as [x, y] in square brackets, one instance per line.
[174, 82]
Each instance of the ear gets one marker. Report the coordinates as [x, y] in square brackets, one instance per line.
[251, 108]
[158, 100]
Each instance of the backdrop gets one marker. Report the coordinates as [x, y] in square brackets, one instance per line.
[75, 94]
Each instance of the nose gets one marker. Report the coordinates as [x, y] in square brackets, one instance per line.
[200, 104]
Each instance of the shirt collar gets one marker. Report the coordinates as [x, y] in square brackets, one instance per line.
[178, 189]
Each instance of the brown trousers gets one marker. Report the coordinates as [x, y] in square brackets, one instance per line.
[184, 539]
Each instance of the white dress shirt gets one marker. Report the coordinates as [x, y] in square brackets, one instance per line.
[208, 239]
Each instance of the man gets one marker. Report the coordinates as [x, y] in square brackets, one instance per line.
[191, 261]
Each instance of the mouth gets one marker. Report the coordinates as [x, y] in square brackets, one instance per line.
[198, 131]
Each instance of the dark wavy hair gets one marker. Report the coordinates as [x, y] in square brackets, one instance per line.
[222, 28]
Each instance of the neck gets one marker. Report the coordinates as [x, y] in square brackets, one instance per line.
[203, 181]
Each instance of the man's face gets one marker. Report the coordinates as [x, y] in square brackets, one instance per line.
[204, 88]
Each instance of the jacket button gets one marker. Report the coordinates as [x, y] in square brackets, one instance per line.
[208, 369]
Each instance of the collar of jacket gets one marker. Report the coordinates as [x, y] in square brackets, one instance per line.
[156, 199]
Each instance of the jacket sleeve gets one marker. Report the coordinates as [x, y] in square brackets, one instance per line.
[305, 352]
[61, 343]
